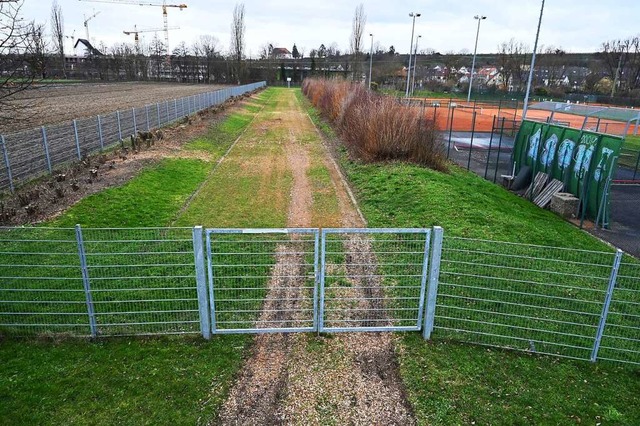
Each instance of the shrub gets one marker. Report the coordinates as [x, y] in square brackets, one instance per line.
[376, 127]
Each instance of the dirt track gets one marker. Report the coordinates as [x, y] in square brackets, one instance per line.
[52, 104]
[300, 378]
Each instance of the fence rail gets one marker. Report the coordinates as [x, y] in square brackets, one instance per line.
[30, 153]
[111, 282]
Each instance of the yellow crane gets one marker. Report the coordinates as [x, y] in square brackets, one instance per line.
[136, 31]
[162, 4]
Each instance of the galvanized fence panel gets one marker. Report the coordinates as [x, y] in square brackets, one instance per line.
[62, 145]
[540, 299]
[143, 281]
[373, 279]
[28, 154]
[621, 339]
[109, 124]
[88, 135]
[262, 280]
[41, 284]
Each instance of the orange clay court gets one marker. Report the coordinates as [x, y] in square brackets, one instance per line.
[486, 113]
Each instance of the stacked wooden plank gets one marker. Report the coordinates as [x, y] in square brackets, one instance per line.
[543, 190]
[538, 185]
[544, 198]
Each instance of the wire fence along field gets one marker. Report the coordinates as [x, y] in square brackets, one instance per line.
[112, 282]
[31, 153]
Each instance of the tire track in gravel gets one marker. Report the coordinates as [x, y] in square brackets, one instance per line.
[350, 378]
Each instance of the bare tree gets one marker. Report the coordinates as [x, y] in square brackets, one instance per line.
[37, 57]
[512, 60]
[621, 59]
[210, 51]
[553, 63]
[237, 40]
[355, 42]
[157, 53]
[15, 49]
[57, 32]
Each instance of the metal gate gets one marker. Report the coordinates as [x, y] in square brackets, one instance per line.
[262, 280]
[293, 280]
[373, 279]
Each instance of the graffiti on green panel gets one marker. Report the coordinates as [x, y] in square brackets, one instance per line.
[582, 160]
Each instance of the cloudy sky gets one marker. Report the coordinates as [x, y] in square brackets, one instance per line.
[445, 25]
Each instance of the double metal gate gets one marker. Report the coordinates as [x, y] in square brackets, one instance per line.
[329, 280]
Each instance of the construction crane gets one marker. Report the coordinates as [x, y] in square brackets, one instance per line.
[86, 24]
[136, 31]
[162, 4]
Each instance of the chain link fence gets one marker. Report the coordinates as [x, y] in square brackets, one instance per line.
[28, 154]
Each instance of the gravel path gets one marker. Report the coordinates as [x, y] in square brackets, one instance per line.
[347, 378]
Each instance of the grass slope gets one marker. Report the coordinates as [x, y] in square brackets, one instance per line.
[455, 383]
[127, 381]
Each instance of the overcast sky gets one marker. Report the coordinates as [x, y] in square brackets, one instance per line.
[445, 25]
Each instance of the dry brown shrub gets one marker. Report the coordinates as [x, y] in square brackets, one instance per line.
[376, 127]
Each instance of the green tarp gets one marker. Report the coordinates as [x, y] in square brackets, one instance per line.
[584, 161]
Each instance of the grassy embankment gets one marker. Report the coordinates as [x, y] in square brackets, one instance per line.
[456, 383]
[134, 380]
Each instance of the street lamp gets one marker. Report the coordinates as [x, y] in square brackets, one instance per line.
[414, 16]
[475, 50]
[415, 65]
[370, 60]
[533, 63]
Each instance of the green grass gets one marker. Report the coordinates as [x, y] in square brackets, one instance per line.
[456, 383]
[150, 199]
[117, 381]
[452, 383]
[125, 381]
[219, 138]
[251, 187]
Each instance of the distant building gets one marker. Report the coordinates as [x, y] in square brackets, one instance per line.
[281, 53]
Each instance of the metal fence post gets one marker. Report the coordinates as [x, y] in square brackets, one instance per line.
[119, 126]
[212, 301]
[100, 133]
[85, 282]
[158, 113]
[46, 148]
[201, 282]
[167, 107]
[75, 132]
[316, 271]
[425, 273]
[135, 126]
[146, 111]
[6, 163]
[323, 247]
[607, 302]
[434, 276]
[175, 106]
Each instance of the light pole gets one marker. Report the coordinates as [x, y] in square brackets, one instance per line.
[370, 60]
[533, 63]
[413, 27]
[415, 65]
[475, 50]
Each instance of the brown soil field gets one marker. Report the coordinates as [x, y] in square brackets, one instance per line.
[55, 103]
